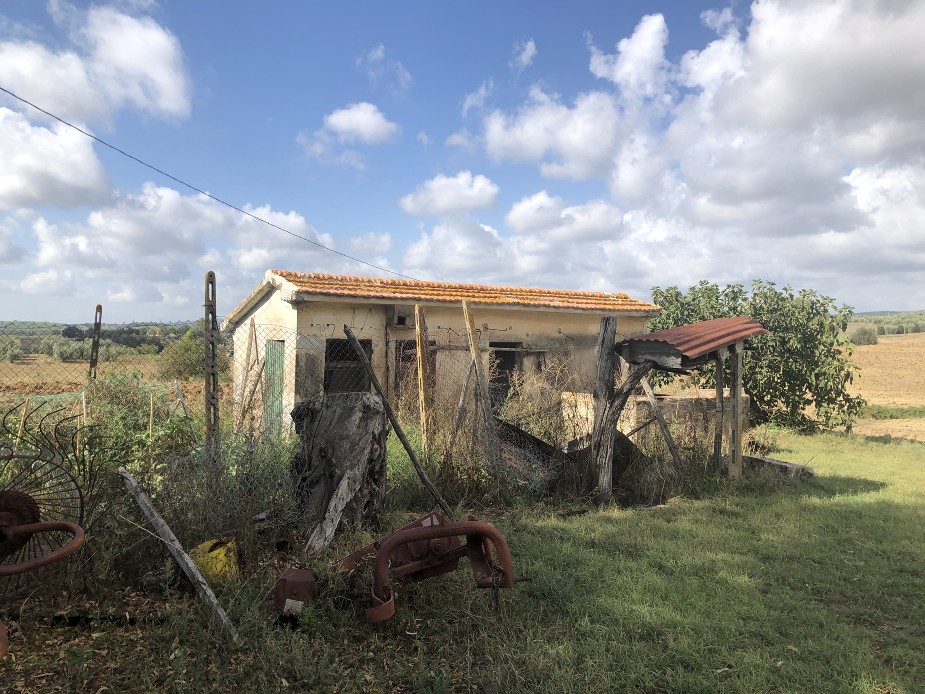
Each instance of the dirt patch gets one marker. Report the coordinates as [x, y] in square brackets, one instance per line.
[892, 371]
[913, 429]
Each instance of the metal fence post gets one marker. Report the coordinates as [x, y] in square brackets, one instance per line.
[211, 375]
[95, 343]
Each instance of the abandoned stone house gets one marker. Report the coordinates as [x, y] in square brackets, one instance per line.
[291, 327]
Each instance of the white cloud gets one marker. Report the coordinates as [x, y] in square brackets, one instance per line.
[423, 138]
[547, 217]
[461, 139]
[638, 67]
[382, 71]
[524, 53]
[443, 195]
[361, 123]
[53, 282]
[114, 61]
[47, 166]
[575, 142]
[476, 99]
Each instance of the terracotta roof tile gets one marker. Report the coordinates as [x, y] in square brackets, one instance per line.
[450, 292]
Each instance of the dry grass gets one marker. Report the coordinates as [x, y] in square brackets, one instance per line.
[892, 375]
[38, 374]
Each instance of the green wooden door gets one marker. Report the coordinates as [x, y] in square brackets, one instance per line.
[273, 384]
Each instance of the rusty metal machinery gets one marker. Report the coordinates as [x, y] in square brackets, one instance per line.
[41, 505]
[428, 547]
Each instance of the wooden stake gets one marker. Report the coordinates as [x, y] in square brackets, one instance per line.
[390, 413]
[718, 434]
[735, 439]
[603, 392]
[182, 558]
[663, 425]
[481, 388]
[424, 380]
[151, 426]
[22, 423]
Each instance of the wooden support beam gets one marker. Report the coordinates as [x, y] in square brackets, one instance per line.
[662, 424]
[182, 558]
[424, 380]
[603, 392]
[735, 394]
[718, 417]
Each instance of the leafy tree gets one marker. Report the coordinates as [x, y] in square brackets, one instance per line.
[798, 374]
[72, 331]
[186, 358]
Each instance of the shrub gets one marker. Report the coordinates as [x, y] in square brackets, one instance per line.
[186, 358]
[10, 348]
[864, 336]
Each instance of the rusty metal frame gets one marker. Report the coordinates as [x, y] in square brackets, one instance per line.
[483, 541]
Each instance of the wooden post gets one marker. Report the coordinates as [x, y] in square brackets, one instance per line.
[182, 558]
[22, 424]
[718, 434]
[735, 394]
[151, 426]
[245, 375]
[663, 425]
[481, 388]
[399, 432]
[424, 380]
[602, 447]
[603, 392]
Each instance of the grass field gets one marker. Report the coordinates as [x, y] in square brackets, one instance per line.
[770, 586]
[893, 376]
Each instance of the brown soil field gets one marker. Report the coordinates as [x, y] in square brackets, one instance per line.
[892, 374]
[37, 374]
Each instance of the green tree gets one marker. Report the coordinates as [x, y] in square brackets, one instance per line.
[185, 358]
[798, 374]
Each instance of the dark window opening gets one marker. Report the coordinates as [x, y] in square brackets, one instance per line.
[343, 370]
[506, 360]
[406, 366]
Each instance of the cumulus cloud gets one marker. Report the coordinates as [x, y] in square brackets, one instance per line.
[360, 123]
[54, 166]
[738, 151]
[568, 142]
[546, 216]
[114, 60]
[443, 195]
[523, 55]
[153, 246]
[638, 67]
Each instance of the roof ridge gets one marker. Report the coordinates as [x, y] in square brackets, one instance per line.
[390, 281]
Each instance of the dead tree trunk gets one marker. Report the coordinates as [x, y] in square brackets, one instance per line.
[340, 469]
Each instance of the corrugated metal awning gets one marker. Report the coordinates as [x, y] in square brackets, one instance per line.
[687, 345]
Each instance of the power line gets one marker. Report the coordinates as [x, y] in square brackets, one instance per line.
[199, 190]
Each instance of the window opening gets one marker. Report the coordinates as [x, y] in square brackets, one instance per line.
[343, 370]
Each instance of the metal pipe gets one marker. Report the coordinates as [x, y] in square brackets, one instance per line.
[475, 531]
[11, 532]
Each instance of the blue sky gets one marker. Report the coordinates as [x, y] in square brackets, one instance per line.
[594, 145]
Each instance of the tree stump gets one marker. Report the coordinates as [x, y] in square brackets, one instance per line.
[339, 472]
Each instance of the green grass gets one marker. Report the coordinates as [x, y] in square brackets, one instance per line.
[762, 586]
[889, 412]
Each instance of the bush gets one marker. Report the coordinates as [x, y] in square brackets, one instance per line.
[10, 348]
[185, 358]
[864, 336]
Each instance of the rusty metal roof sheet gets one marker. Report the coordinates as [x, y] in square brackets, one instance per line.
[417, 290]
[698, 339]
